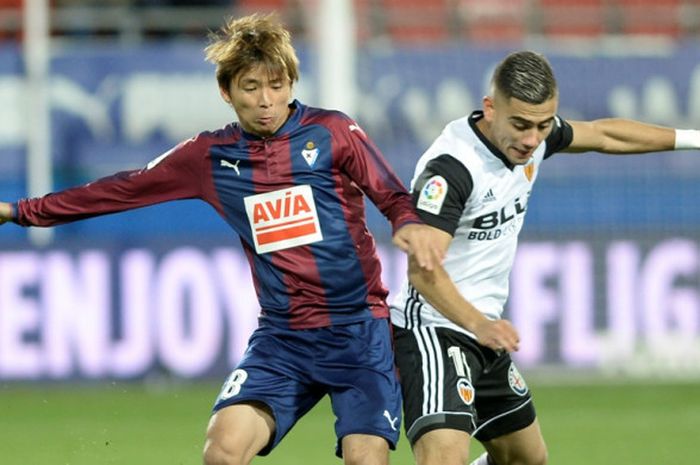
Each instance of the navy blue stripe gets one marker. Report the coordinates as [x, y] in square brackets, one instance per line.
[232, 188]
[339, 267]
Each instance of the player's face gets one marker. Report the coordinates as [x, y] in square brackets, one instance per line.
[515, 127]
[260, 100]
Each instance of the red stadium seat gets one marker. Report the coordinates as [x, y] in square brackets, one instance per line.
[250, 6]
[416, 20]
[292, 12]
[491, 21]
[14, 33]
[649, 17]
[573, 18]
[369, 19]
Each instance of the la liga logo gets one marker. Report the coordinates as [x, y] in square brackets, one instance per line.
[434, 189]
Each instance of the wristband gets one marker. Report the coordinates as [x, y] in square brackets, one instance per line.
[687, 139]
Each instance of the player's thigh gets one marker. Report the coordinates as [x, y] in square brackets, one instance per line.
[436, 369]
[274, 374]
[523, 447]
[238, 432]
[362, 382]
[442, 447]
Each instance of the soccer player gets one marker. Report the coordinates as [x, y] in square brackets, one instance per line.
[289, 180]
[472, 185]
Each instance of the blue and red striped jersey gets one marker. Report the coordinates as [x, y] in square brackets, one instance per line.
[296, 200]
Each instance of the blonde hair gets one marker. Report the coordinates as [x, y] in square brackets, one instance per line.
[243, 43]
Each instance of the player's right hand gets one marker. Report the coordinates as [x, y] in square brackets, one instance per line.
[5, 212]
[418, 241]
[498, 335]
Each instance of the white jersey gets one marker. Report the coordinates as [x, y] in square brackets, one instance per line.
[465, 186]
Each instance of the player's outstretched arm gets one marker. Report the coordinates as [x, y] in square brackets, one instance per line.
[418, 241]
[437, 287]
[5, 212]
[620, 136]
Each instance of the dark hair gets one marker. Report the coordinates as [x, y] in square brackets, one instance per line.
[526, 76]
[246, 42]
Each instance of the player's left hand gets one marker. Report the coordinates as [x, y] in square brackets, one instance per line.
[417, 240]
[499, 335]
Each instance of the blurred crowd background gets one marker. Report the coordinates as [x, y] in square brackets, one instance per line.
[415, 65]
[401, 20]
[608, 276]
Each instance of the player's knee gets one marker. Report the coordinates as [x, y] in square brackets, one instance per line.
[539, 457]
[447, 457]
[365, 450]
[216, 453]
[442, 447]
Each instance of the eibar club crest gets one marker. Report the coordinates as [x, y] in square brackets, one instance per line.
[310, 153]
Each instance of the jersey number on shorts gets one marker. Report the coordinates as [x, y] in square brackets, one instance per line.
[460, 362]
[233, 384]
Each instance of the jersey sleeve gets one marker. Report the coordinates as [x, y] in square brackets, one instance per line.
[441, 191]
[367, 167]
[560, 138]
[177, 174]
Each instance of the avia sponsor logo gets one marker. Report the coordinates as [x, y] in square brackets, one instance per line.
[283, 219]
[516, 381]
[495, 224]
[465, 390]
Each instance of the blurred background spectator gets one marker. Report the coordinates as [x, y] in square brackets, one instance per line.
[404, 21]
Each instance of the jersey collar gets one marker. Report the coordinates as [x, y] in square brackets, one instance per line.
[473, 118]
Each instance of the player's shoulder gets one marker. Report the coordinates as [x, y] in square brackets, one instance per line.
[200, 144]
[311, 114]
[335, 120]
[457, 141]
[227, 134]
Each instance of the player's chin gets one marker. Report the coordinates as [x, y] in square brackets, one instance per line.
[519, 158]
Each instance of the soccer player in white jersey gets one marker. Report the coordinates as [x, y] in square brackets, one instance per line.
[472, 186]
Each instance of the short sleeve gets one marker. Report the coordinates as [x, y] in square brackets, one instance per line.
[441, 191]
[560, 138]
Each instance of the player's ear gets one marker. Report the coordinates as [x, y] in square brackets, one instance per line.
[489, 108]
[225, 95]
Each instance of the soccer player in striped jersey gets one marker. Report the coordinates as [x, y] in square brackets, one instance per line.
[472, 186]
[290, 180]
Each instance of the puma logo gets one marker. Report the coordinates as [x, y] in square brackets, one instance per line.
[392, 421]
[354, 127]
[234, 166]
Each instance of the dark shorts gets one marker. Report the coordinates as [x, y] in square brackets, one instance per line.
[451, 381]
[291, 370]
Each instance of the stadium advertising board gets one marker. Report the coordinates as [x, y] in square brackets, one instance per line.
[118, 108]
[628, 306]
